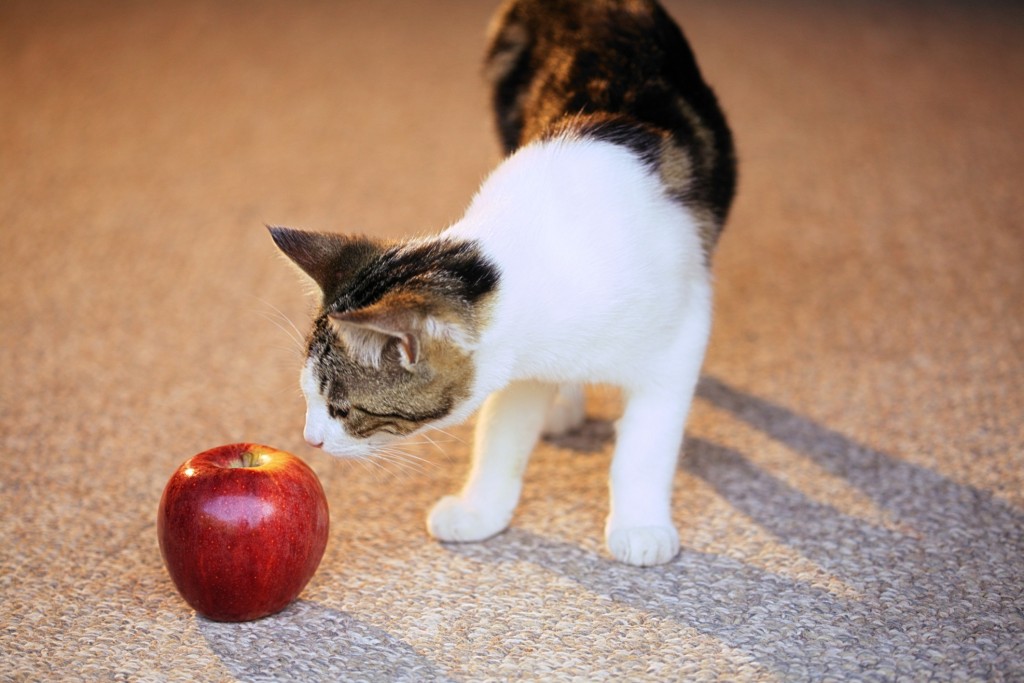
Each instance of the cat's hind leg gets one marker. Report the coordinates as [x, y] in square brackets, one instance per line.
[567, 411]
[507, 430]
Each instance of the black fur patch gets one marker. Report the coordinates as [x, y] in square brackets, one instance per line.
[456, 270]
[615, 70]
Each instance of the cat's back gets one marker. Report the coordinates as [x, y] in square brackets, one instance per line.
[617, 70]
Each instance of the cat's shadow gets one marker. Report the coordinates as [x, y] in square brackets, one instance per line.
[952, 550]
[949, 549]
[590, 437]
[310, 642]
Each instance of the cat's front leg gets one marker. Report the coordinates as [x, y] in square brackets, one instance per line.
[639, 530]
[507, 430]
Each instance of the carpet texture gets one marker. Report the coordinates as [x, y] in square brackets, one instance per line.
[850, 496]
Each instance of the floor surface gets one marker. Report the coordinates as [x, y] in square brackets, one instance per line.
[851, 493]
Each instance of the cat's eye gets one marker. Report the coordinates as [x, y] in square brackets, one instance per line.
[337, 412]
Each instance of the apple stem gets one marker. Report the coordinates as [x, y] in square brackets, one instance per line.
[248, 460]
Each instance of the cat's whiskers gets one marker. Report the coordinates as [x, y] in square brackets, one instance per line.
[437, 445]
[296, 348]
[449, 435]
[299, 337]
[275, 316]
[426, 442]
[400, 456]
[408, 462]
[388, 463]
[372, 466]
[290, 351]
[377, 465]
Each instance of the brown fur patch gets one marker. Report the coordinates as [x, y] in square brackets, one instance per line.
[675, 169]
[391, 346]
[390, 395]
[620, 71]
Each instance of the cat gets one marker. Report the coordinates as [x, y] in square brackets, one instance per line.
[583, 258]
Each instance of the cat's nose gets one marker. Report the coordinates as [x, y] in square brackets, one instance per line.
[313, 431]
[314, 437]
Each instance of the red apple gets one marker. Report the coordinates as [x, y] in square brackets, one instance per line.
[242, 529]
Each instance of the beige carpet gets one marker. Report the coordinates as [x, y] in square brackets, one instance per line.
[851, 496]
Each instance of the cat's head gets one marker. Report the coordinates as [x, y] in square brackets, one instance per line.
[391, 351]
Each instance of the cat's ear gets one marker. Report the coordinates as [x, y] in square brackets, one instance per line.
[399, 316]
[329, 259]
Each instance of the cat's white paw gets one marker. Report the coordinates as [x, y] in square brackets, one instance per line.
[566, 413]
[643, 546]
[454, 519]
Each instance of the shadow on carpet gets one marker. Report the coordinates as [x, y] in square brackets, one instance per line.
[944, 595]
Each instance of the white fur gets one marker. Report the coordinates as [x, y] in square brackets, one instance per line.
[323, 431]
[507, 431]
[364, 346]
[603, 280]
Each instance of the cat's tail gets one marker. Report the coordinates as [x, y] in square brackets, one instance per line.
[507, 68]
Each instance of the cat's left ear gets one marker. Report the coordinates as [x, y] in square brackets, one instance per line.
[330, 260]
[401, 317]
